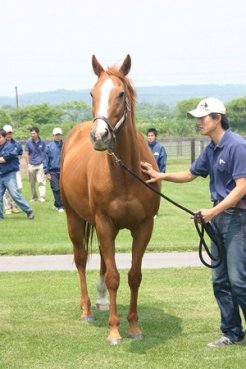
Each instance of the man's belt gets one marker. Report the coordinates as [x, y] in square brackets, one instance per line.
[240, 205]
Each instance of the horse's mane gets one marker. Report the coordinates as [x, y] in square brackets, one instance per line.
[131, 94]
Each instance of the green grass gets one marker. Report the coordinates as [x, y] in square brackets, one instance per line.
[40, 327]
[47, 234]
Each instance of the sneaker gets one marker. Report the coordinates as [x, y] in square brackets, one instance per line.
[223, 341]
[8, 211]
[55, 208]
[61, 210]
[15, 210]
[243, 341]
[41, 199]
[33, 200]
[30, 215]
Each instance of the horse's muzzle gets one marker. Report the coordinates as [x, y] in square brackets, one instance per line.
[102, 142]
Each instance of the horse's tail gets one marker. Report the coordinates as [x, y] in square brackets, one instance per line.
[88, 236]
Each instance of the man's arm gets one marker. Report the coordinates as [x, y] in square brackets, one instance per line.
[179, 177]
[229, 202]
[162, 160]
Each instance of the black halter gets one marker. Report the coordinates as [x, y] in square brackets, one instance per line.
[116, 128]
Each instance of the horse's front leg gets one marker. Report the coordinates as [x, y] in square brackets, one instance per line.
[141, 237]
[76, 233]
[106, 233]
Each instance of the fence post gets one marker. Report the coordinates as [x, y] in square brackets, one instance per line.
[192, 150]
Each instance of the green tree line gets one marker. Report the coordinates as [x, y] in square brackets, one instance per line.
[169, 121]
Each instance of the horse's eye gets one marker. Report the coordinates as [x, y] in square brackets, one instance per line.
[121, 95]
[91, 94]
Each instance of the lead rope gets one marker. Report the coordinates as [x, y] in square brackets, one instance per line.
[200, 225]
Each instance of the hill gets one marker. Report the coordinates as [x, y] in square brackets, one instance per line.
[169, 95]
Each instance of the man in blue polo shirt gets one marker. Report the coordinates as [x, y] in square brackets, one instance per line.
[52, 167]
[224, 160]
[35, 149]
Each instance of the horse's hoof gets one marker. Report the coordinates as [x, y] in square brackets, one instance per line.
[114, 341]
[138, 336]
[88, 319]
[102, 307]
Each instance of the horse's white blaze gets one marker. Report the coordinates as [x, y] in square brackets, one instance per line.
[104, 102]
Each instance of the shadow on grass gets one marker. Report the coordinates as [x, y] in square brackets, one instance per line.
[157, 327]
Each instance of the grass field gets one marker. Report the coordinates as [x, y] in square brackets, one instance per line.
[39, 311]
[40, 327]
[47, 234]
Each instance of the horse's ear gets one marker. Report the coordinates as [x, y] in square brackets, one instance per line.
[98, 69]
[126, 66]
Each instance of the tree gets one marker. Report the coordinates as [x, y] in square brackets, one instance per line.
[76, 111]
[4, 117]
[37, 115]
[184, 126]
[236, 111]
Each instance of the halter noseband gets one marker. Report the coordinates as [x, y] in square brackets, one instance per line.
[115, 129]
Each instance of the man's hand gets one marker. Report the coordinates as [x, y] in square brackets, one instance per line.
[204, 215]
[148, 169]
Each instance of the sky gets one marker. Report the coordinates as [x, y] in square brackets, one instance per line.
[47, 45]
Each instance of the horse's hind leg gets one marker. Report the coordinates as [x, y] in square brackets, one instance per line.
[102, 302]
[141, 238]
[76, 233]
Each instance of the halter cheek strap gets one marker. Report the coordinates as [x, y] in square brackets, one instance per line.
[115, 129]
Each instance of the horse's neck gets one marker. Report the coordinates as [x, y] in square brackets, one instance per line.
[127, 147]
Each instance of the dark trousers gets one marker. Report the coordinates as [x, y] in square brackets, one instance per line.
[54, 185]
[229, 279]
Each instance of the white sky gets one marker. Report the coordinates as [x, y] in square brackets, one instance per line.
[48, 44]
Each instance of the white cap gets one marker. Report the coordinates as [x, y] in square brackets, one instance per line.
[8, 128]
[208, 106]
[57, 131]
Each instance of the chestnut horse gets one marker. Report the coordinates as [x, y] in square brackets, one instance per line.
[99, 194]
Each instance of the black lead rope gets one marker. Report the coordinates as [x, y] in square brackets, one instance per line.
[200, 225]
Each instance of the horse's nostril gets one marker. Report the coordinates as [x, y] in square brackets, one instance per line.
[105, 134]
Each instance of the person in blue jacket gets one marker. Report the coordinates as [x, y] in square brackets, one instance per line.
[10, 206]
[157, 149]
[9, 165]
[52, 167]
[35, 156]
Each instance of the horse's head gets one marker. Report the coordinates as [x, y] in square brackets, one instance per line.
[109, 104]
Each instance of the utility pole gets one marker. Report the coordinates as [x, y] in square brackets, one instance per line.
[16, 97]
[17, 103]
